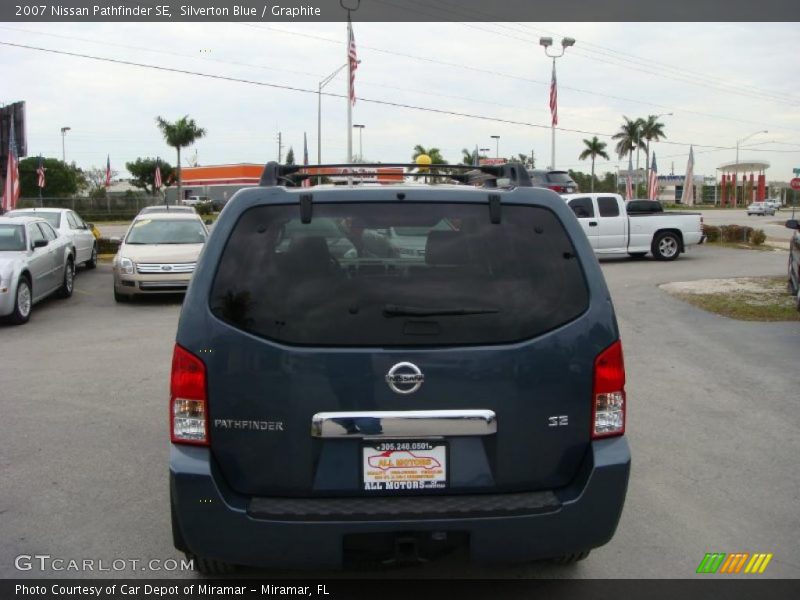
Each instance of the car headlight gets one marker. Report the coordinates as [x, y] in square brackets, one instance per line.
[125, 265]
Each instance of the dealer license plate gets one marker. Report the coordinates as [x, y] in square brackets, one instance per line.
[401, 466]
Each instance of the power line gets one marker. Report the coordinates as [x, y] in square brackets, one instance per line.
[334, 95]
[501, 74]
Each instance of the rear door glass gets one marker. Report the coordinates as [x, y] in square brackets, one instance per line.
[398, 275]
[582, 207]
[608, 206]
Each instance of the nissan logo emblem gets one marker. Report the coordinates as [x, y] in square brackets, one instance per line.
[405, 378]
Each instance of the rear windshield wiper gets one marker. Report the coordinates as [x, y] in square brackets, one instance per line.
[395, 310]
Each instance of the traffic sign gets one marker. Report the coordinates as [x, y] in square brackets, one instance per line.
[795, 183]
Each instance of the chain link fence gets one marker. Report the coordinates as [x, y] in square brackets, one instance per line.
[113, 208]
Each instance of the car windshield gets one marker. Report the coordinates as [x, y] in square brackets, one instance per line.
[12, 238]
[166, 231]
[463, 280]
[53, 218]
[166, 209]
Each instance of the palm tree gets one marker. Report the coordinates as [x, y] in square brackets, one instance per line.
[467, 156]
[180, 134]
[436, 158]
[594, 148]
[630, 138]
[651, 129]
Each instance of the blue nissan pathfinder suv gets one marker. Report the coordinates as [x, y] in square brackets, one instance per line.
[393, 371]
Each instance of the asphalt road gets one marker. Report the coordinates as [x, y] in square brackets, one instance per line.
[713, 424]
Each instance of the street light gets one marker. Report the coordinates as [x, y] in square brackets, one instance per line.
[321, 85]
[736, 169]
[496, 138]
[360, 144]
[64, 131]
[547, 42]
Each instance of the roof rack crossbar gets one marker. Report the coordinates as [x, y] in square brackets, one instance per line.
[276, 174]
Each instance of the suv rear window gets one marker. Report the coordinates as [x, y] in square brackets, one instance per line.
[389, 274]
[559, 177]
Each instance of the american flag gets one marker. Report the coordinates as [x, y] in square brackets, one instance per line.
[352, 61]
[652, 180]
[108, 170]
[40, 172]
[629, 180]
[11, 189]
[554, 97]
[157, 177]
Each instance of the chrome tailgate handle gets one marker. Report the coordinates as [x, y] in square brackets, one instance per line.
[403, 423]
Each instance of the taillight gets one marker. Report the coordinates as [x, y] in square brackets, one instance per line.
[559, 189]
[188, 406]
[608, 397]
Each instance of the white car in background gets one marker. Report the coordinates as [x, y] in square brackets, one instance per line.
[67, 223]
[775, 203]
[761, 209]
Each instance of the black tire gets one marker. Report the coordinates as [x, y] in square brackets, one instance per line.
[121, 297]
[637, 254]
[92, 262]
[666, 246]
[571, 559]
[209, 566]
[68, 280]
[22, 308]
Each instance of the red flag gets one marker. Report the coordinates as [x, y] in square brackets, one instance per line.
[108, 170]
[629, 180]
[157, 178]
[554, 97]
[40, 172]
[353, 62]
[652, 181]
[11, 189]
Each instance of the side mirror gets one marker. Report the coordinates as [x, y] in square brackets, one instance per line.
[792, 224]
[40, 243]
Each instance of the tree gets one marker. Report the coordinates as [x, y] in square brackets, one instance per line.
[180, 134]
[651, 130]
[96, 181]
[468, 156]
[144, 173]
[434, 153]
[290, 156]
[593, 149]
[629, 136]
[61, 180]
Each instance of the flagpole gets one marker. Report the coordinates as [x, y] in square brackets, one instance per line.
[349, 83]
[553, 128]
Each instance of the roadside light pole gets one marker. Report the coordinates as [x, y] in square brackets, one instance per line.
[64, 131]
[360, 142]
[496, 138]
[736, 169]
[483, 151]
[321, 85]
[546, 42]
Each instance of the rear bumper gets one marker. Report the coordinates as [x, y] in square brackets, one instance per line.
[214, 522]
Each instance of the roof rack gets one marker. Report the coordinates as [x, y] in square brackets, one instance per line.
[275, 174]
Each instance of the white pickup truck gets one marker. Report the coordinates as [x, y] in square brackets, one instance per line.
[611, 230]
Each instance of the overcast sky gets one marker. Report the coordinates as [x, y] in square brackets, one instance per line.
[722, 82]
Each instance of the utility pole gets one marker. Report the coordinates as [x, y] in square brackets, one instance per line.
[280, 147]
[533, 159]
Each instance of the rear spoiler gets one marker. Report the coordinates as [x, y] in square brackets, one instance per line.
[275, 174]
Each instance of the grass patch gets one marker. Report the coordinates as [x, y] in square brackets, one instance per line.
[769, 303]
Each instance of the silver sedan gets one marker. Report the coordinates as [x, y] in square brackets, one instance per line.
[34, 263]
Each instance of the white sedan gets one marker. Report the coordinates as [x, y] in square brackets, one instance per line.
[760, 208]
[67, 223]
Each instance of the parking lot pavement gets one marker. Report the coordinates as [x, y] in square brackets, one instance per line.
[713, 424]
